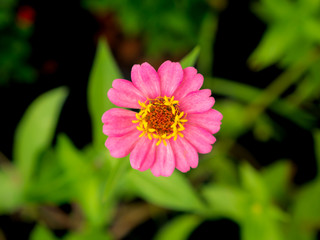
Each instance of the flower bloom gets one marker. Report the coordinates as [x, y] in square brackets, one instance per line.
[174, 123]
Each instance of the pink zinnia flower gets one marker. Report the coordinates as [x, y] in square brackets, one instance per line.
[175, 121]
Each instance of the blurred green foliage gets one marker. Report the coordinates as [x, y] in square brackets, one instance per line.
[15, 30]
[175, 23]
[264, 202]
[167, 27]
[293, 31]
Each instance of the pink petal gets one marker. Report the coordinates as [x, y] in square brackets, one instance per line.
[197, 102]
[200, 138]
[143, 155]
[170, 77]
[164, 163]
[185, 154]
[146, 79]
[118, 122]
[209, 120]
[191, 82]
[121, 146]
[124, 94]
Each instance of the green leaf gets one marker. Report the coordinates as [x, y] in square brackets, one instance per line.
[308, 88]
[36, 129]
[301, 233]
[206, 39]
[273, 10]
[305, 211]
[179, 228]
[306, 207]
[190, 59]
[11, 192]
[104, 71]
[172, 192]
[86, 185]
[310, 7]
[277, 179]
[273, 46]
[253, 183]
[48, 183]
[225, 201]
[42, 233]
[71, 159]
[117, 169]
[259, 224]
[262, 218]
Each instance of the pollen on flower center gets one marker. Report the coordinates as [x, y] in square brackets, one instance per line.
[160, 118]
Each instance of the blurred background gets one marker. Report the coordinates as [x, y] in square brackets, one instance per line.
[260, 58]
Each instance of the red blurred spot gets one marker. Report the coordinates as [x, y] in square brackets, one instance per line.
[25, 16]
[49, 67]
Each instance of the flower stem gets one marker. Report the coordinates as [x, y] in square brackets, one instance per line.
[113, 179]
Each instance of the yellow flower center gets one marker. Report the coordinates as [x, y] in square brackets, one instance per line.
[161, 119]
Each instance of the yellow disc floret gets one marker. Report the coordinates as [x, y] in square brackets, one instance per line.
[161, 119]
